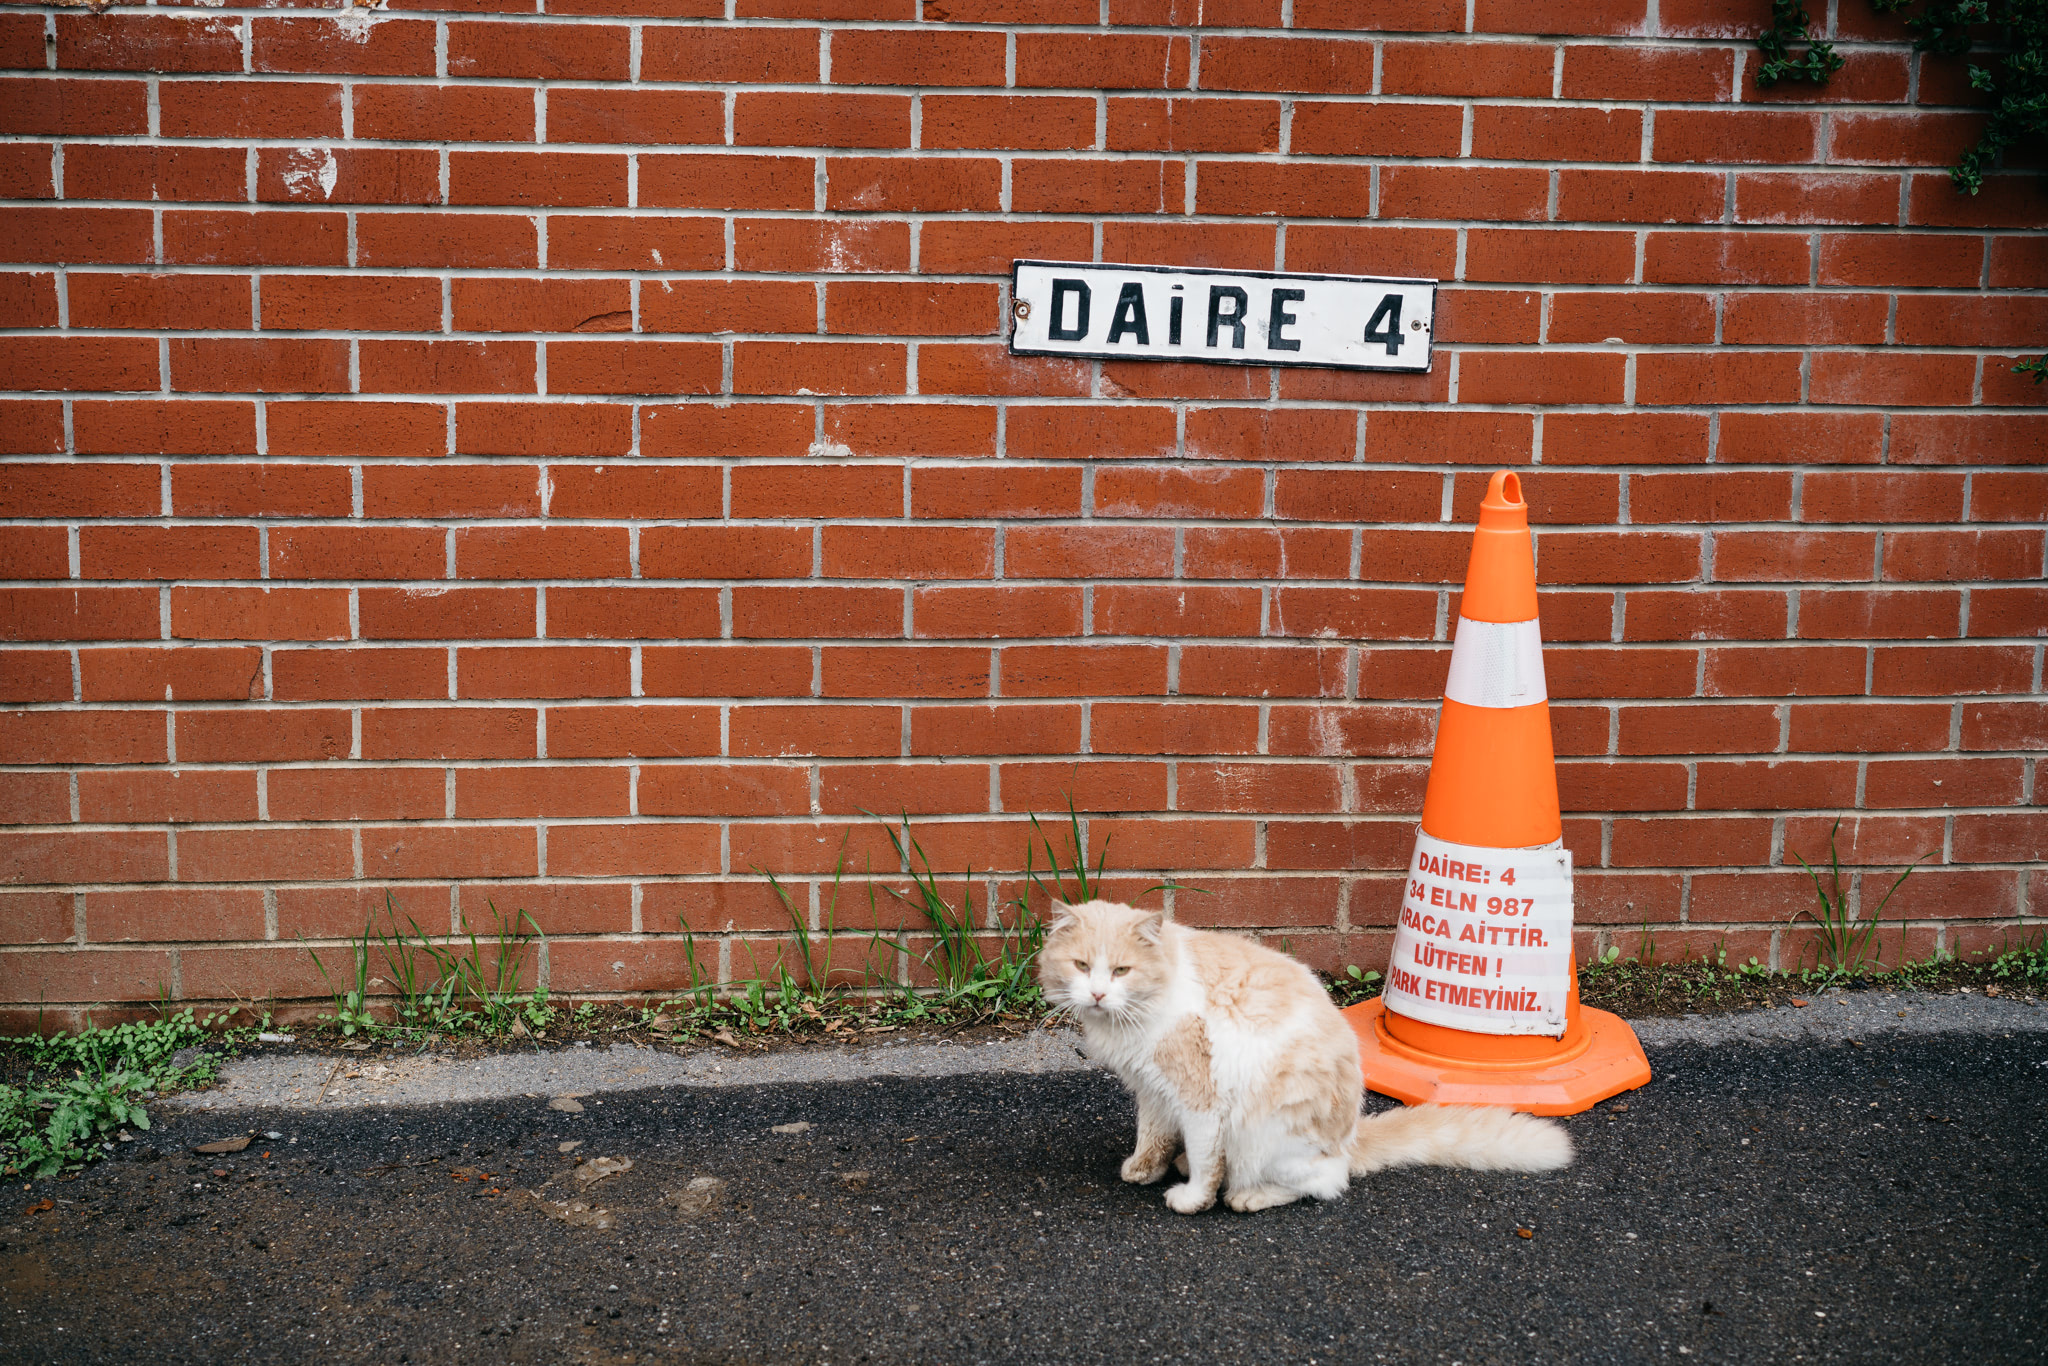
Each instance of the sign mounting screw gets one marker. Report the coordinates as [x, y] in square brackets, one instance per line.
[1022, 308]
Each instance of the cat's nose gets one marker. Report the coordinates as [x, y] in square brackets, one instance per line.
[1099, 995]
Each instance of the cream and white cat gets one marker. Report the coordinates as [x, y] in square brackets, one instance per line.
[1237, 1055]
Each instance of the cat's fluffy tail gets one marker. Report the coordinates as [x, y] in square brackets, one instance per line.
[1481, 1138]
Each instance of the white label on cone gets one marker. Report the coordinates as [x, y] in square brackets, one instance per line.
[1497, 664]
[1485, 938]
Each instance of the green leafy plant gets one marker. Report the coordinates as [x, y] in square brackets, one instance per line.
[999, 978]
[1790, 26]
[352, 997]
[1842, 940]
[2016, 84]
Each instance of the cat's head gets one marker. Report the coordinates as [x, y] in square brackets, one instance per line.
[1103, 960]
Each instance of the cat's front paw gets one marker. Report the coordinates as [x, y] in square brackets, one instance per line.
[1187, 1198]
[1142, 1170]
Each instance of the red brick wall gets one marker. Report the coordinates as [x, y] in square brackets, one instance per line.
[572, 461]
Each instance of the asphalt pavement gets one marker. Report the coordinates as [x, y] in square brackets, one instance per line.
[1871, 1189]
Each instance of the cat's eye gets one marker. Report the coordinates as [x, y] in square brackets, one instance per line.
[1119, 972]
[1080, 965]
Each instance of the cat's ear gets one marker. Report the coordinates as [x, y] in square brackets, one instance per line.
[1152, 927]
[1058, 916]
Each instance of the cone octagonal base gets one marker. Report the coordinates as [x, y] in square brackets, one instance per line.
[1598, 1057]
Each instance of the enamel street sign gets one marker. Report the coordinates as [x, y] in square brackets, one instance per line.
[1346, 322]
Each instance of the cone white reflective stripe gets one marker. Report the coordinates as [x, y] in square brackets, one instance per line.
[1484, 942]
[1497, 664]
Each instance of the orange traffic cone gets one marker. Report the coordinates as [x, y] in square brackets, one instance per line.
[1482, 1003]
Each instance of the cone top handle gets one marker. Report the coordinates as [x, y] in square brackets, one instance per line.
[1503, 508]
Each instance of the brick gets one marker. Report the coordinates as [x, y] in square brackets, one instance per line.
[905, 552]
[552, 791]
[37, 427]
[458, 113]
[1803, 437]
[640, 117]
[1876, 139]
[1701, 841]
[83, 737]
[724, 790]
[1727, 258]
[726, 671]
[267, 736]
[1501, 194]
[2008, 201]
[78, 614]
[74, 236]
[230, 365]
[1815, 197]
[1548, 256]
[357, 427]
[1864, 728]
[136, 42]
[1100, 786]
[1294, 789]
[62, 856]
[266, 490]
[1119, 432]
[712, 181]
[1267, 434]
[641, 731]
[63, 108]
[898, 671]
[1149, 491]
[1460, 69]
[1988, 320]
[378, 674]
[389, 47]
[808, 613]
[820, 491]
[489, 491]
[625, 490]
[1346, 731]
[911, 789]
[1545, 377]
[1617, 557]
[444, 367]
[1893, 259]
[1624, 438]
[189, 174]
[161, 552]
[632, 613]
[1174, 380]
[2004, 725]
[1703, 377]
[1360, 495]
[357, 794]
[2008, 497]
[1110, 551]
[466, 241]
[259, 614]
[446, 613]
[817, 368]
[1950, 670]
[40, 552]
[572, 429]
[1723, 138]
[1012, 728]
[1176, 125]
[540, 179]
[723, 552]
[1225, 245]
[844, 730]
[1123, 61]
[782, 56]
[571, 305]
[1161, 844]
[1806, 319]
[26, 171]
[1864, 839]
[151, 427]
[356, 303]
[2008, 838]
[1243, 14]
[715, 306]
[824, 246]
[249, 109]
[1640, 196]
[912, 429]
[1083, 670]
[2009, 611]
[971, 368]
[984, 613]
[1355, 613]
[589, 52]
[1735, 615]
[1525, 133]
[1134, 610]
[541, 553]
[908, 185]
[813, 119]
[410, 851]
[1906, 614]
[28, 300]
[106, 364]
[1339, 844]
[187, 915]
[1872, 496]
[450, 733]
[741, 429]
[575, 908]
[1645, 318]
[1261, 671]
[911, 308]
[1488, 315]
[368, 176]
[1711, 497]
[1962, 556]
[1775, 785]
[633, 367]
